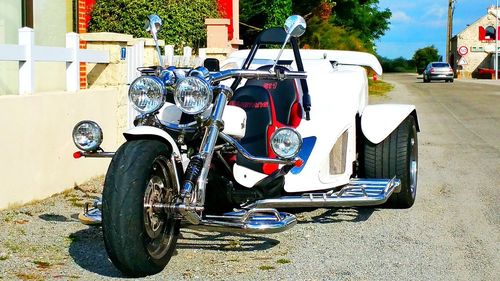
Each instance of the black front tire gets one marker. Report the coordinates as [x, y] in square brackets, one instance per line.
[139, 240]
[397, 156]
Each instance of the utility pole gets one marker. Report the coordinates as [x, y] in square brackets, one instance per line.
[451, 9]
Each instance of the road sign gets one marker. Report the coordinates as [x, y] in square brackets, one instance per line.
[463, 50]
[462, 61]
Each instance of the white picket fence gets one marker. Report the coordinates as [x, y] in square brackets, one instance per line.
[27, 53]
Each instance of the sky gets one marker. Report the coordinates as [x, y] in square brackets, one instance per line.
[421, 23]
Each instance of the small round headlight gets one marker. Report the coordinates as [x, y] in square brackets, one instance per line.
[146, 94]
[286, 143]
[87, 135]
[193, 95]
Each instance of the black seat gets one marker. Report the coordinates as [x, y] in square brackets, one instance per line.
[256, 102]
[284, 96]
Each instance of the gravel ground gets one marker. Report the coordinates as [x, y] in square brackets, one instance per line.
[452, 232]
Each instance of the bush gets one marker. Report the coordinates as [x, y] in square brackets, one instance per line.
[397, 65]
[183, 20]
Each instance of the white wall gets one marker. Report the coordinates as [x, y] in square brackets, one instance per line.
[35, 136]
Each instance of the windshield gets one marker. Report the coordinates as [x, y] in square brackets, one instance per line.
[440, 64]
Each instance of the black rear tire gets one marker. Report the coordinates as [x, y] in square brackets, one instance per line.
[139, 241]
[397, 156]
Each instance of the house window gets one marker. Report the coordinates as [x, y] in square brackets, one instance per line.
[490, 33]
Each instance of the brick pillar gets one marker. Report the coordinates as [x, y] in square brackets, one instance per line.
[82, 28]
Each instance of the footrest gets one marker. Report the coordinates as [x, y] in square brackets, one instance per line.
[91, 214]
[359, 192]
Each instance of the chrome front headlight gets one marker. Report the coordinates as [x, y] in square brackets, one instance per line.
[286, 143]
[87, 135]
[193, 95]
[146, 94]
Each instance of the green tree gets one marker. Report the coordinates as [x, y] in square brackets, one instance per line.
[183, 20]
[358, 20]
[323, 35]
[424, 56]
[364, 17]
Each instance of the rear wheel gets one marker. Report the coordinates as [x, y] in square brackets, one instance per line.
[139, 238]
[397, 156]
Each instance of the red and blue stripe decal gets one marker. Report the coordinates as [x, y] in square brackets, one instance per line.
[304, 153]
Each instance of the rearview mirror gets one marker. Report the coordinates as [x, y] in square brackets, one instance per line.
[295, 26]
[153, 24]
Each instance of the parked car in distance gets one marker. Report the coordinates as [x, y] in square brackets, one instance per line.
[438, 71]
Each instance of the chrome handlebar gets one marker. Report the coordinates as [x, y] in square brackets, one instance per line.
[257, 74]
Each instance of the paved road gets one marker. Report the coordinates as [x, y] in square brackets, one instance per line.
[451, 233]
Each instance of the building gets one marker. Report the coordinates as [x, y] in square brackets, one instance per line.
[477, 44]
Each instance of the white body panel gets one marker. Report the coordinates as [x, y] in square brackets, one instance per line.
[245, 176]
[338, 93]
[341, 57]
[335, 101]
[378, 121]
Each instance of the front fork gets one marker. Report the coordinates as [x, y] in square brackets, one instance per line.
[195, 180]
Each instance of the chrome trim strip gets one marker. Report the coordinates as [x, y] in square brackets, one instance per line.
[101, 154]
[255, 74]
[254, 221]
[189, 127]
[359, 192]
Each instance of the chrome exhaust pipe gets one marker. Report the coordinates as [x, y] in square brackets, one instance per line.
[359, 192]
[253, 221]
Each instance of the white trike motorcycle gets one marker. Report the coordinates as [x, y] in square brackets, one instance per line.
[225, 150]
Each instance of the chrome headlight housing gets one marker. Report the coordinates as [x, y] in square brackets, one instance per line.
[286, 143]
[193, 95]
[146, 94]
[87, 135]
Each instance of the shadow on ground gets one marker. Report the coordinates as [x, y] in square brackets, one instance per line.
[337, 215]
[87, 250]
[231, 242]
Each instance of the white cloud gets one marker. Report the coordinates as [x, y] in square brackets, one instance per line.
[400, 17]
[437, 12]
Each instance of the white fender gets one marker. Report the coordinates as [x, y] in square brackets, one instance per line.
[380, 120]
[152, 131]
